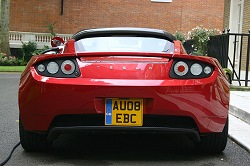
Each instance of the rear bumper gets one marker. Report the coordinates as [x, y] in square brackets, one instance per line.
[42, 99]
[55, 132]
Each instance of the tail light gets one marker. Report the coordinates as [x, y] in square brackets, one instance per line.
[181, 68]
[207, 70]
[196, 69]
[68, 67]
[52, 67]
[63, 68]
[41, 68]
[188, 69]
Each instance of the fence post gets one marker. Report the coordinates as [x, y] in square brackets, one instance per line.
[247, 61]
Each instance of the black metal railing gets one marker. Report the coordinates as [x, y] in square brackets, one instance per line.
[232, 48]
[239, 60]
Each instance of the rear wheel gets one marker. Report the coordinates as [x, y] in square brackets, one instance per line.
[214, 142]
[33, 142]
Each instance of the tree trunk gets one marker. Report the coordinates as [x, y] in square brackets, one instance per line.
[4, 27]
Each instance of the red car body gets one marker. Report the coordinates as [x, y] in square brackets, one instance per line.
[54, 105]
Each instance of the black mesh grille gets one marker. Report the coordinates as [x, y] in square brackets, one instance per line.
[148, 121]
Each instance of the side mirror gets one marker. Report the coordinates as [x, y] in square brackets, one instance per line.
[57, 41]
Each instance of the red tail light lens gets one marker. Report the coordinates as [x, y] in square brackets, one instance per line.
[181, 68]
[68, 67]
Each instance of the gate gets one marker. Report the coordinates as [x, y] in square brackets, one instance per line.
[235, 49]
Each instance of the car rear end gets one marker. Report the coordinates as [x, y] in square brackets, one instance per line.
[98, 88]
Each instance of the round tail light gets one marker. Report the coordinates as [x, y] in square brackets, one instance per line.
[196, 69]
[181, 68]
[207, 70]
[68, 67]
[41, 68]
[52, 67]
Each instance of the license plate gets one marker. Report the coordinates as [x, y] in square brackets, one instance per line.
[124, 112]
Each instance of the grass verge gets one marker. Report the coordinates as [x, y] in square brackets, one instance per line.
[12, 68]
[239, 88]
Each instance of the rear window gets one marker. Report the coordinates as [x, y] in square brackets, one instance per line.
[124, 44]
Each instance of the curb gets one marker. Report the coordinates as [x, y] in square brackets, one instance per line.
[239, 132]
[239, 113]
[238, 142]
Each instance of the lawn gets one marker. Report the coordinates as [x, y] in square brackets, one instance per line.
[12, 68]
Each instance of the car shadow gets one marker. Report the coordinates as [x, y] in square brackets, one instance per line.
[125, 147]
[78, 149]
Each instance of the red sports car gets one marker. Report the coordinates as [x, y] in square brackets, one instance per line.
[123, 80]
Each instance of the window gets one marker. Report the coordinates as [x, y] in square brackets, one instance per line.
[124, 44]
[161, 0]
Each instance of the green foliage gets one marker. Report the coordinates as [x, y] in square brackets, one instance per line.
[201, 36]
[30, 49]
[27, 51]
[51, 27]
[39, 51]
[8, 60]
[180, 36]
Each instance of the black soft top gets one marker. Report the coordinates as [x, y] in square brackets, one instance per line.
[140, 32]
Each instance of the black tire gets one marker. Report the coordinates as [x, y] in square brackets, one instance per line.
[33, 142]
[214, 142]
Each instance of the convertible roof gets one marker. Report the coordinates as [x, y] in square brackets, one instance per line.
[142, 32]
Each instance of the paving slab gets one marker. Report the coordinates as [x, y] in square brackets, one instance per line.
[240, 105]
[239, 131]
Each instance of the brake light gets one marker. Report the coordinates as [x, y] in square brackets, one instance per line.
[181, 68]
[68, 67]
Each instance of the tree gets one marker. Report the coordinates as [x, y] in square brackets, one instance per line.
[4, 27]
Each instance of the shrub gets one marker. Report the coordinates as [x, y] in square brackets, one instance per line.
[201, 36]
[39, 51]
[8, 60]
[27, 50]
[30, 49]
[180, 36]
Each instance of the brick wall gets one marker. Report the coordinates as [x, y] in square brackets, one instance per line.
[246, 15]
[245, 29]
[179, 15]
[226, 13]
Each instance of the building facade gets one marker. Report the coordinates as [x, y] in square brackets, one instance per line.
[236, 16]
[236, 19]
[71, 16]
